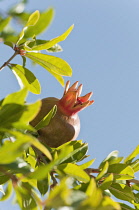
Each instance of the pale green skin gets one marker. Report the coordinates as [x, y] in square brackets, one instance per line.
[61, 128]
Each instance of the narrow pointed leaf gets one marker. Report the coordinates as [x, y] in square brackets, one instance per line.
[132, 155]
[54, 41]
[51, 63]
[122, 192]
[17, 97]
[44, 21]
[121, 171]
[103, 171]
[8, 192]
[23, 142]
[4, 23]
[33, 18]
[74, 171]
[46, 120]
[87, 164]
[26, 78]
[107, 182]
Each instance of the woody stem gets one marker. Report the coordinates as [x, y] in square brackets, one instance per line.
[8, 61]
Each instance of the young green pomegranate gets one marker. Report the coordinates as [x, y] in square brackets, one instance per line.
[65, 125]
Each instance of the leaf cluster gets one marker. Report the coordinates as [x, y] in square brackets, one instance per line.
[26, 44]
[44, 178]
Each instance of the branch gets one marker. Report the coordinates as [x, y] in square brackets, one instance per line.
[8, 61]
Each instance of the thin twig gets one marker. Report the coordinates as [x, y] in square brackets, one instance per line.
[8, 61]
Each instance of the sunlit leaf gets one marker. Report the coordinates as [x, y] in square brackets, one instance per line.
[111, 157]
[121, 171]
[75, 151]
[60, 195]
[122, 192]
[16, 97]
[109, 204]
[4, 23]
[74, 171]
[14, 150]
[18, 166]
[22, 143]
[87, 164]
[107, 182]
[103, 171]
[26, 78]
[43, 185]
[44, 21]
[135, 165]
[132, 155]
[94, 196]
[24, 197]
[33, 18]
[126, 207]
[7, 193]
[54, 41]
[31, 111]
[51, 63]
[46, 120]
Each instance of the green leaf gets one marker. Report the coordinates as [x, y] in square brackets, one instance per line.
[107, 182]
[43, 185]
[94, 196]
[10, 44]
[29, 114]
[135, 165]
[58, 78]
[44, 21]
[126, 207]
[60, 195]
[25, 197]
[51, 63]
[26, 78]
[19, 166]
[26, 141]
[4, 23]
[42, 171]
[75, 151]
[46, 120]
[109, 204]
[132, 155]
[33, 18]
[103, 171]
[8, 192]
[121, 171]
[111, 157]
[74, 171]
[54, 41]
[17, 97]
[11, 113]
[87, 164]
[14, 149]
[122, 192]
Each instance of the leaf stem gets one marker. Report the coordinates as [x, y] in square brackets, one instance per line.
[8, 61]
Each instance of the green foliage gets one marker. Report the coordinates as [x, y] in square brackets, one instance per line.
[26, 44]
[44, 178]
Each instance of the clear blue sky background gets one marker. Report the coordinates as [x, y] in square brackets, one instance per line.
[103, 51]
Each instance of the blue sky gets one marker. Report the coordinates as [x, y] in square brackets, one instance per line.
[103, 51]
